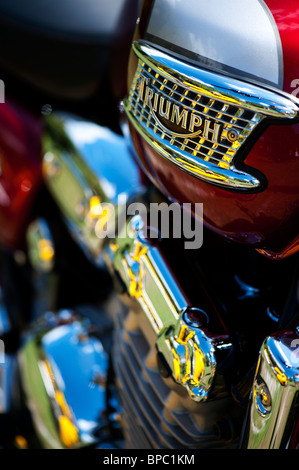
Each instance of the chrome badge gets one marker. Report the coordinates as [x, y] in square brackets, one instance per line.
[190, 354]
[200, 120]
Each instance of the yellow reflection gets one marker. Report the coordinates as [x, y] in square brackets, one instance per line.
[281, 376]
[265, 397]
[45, 250]
[211, 94]
[199, 365]
[95, 208]
[60, 398]
[114, 247]
[176, 365]
[68, 431]
[194, 169]
[135, 286]
[188, 366]
[223, 165]
[21, 442]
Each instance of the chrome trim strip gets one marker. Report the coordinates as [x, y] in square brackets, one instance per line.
[274, 393]
[147, 279]
[188, 350]
[183, 87]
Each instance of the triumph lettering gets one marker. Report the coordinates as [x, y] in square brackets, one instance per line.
[195, 121]
[182, 121]
[177, 117]
[209, 131]
[148, 96]
[164, 112]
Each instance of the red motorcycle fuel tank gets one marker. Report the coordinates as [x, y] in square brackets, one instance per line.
[213, 113]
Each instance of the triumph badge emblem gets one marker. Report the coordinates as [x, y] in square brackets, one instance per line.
[199, 120]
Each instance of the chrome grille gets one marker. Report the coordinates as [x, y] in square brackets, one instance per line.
[198, 120]
[231, 117]
[156, 416]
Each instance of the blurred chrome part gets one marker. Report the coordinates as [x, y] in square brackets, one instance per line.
[2, 351]
[64, 370]
[41, 250]
[262, 397]
[96, 167]
[275, 393]
[3, 389]
[187, 349]
[190, 354]
[199, 120]
[5, 323]
[8, 384]
[11, 412]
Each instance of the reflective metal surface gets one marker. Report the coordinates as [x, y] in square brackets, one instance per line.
[5, 323]
[198, 120]
[188, 350]
[41, 248]
[190, 354]
[8, 383]
[275, 394]
[64, 372]
[87, 166]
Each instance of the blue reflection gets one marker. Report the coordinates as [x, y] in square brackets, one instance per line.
[106, 154]
[78, 361]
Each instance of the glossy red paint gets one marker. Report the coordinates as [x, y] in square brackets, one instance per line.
[286, 16]
[267, 220]
[20, 175]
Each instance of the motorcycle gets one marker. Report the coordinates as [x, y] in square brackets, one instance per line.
[149, 200]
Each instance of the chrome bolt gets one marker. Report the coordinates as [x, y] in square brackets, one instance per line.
[233, 135]
[195, 317]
